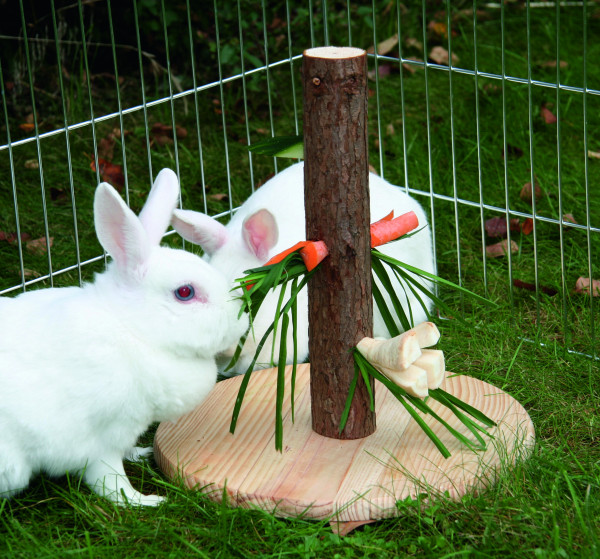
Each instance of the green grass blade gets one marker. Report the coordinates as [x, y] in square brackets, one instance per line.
[238, 401]
[366, 379]
[276, 324]
[382, 275]
[388, 319]
[294, 311]
[350, 397]
[402, 397]
[285, 319]
[433, 277]
[467, 422]
[474, 412]
[280, 146]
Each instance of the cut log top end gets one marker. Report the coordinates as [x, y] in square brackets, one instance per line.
[334, 52]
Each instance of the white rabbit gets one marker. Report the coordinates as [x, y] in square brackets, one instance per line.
[85, 370]
[271, 220]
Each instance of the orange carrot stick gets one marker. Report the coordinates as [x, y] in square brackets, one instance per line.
[279, 257]
[388, 217]
[385, 231]
[313, 253]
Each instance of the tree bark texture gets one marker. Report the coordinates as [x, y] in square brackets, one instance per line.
[336, 178]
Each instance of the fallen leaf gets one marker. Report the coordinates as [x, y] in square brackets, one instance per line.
[527, 227]
[219, 196]
[110, 173]
[39, 246]
[547, 115]
[390, 130]
[411, 42]
[501, 248]
[27, 273]
[412, 68]
[569, 218]
[496, 226]
[593, 154]
[162, 134]
[526, 191]
[385, 46]
[438, 28]
[492, 88]
[440, 56]
[106, 147]
[12, 237]
[531, 287]
[57, 193]
[27, 126]
[513, 151]
[382, 69]
[582, 285]
[552, 64]
[32, 164]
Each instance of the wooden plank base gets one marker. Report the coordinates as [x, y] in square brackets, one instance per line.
[322, 478]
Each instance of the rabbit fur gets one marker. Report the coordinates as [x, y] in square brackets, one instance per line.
[272, 220]
[85, 370]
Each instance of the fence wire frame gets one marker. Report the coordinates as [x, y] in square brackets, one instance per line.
[503, 78]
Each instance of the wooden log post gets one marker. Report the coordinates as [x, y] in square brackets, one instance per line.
[336, 178]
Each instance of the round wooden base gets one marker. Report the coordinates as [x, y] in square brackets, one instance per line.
[345, 481]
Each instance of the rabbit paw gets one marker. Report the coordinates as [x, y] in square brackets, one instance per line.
[138, 453]
[147, 500]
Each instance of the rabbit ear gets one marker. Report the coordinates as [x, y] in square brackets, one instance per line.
[119, 230]
[200, 229]
[260, 232]
[162, 200]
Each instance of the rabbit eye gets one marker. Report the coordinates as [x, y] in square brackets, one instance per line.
[185, 292]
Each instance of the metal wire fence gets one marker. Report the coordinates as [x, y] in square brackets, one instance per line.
[509, 96]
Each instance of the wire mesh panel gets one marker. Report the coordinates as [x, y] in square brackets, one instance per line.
[483, 111]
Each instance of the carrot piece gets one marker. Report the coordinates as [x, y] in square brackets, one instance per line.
[313, 253]
[279, 257]
[384, 231]
[387, 217]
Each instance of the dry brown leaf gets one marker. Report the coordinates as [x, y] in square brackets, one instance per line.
[496, 226]
[32, 164]
[582, 285]
[411, 42]
[438, 29]
[525, 193]
[27, 273]
[219, 196]
[440, 56]
[548, 116]
[390, 130]
[110, 173]
[39, 246]
[552, 64]
[593, 154]
[385, 46]
[527, 226]
[501, 249]
[412, 68]
[569, 218]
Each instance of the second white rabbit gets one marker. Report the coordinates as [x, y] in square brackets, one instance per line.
[272, 220]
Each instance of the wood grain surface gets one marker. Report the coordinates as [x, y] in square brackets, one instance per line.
[320, 477]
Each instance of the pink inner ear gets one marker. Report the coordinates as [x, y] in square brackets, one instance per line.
[260, 233]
